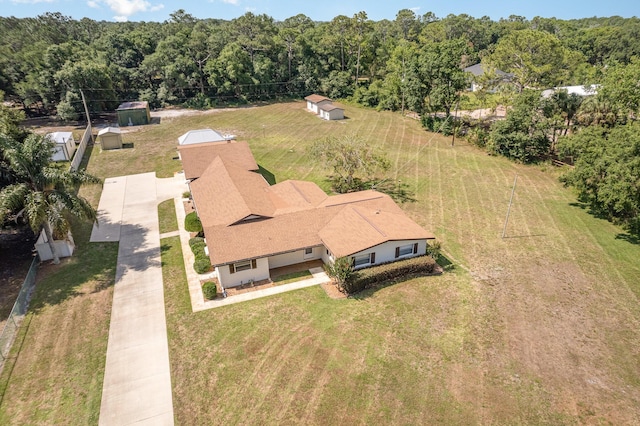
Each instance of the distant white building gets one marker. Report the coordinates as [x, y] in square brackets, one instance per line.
[65, 146]
[331, 112]
[589, 90]
[314, 102]
[203, 136]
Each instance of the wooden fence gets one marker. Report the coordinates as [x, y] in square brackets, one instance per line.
[86, 137]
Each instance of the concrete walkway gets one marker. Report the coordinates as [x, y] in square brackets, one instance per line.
[137, 380]
[195, 290]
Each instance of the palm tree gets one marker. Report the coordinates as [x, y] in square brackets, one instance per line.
[43, 193]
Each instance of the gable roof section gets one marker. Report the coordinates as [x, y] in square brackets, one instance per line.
[356, 228]
[329, 107]
[133, 105]
[226, 194]
[316, 98]
[479, 69]
[197, 158]
[109, 130]
[297, 195]
[60, 137]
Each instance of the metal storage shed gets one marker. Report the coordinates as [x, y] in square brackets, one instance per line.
[133, 114]
[64, 147]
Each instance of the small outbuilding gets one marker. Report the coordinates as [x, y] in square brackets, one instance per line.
[331, 112]
[203, 136]
[314, 102]
[133, 114]
[64, 147]
[63, 248]
[110, 138]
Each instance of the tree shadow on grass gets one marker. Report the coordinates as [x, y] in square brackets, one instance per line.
[630, 238]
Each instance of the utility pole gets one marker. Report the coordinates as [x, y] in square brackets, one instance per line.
[504, 230]
[86, 111]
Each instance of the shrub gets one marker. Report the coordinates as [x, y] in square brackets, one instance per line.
[202, 265]
[365, 278]
[192, 223]
[341, 271]
[434, 250]
[186, 194]
[209, 290]
[195, 240]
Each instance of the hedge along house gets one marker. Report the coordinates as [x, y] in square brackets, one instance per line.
[110, 138]
[64, 146]
[314, 102]
[251, 227]
[133, 114]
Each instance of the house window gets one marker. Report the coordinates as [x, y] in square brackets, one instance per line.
[308, 250]
[406, 249]
[242, 266]
[363, 259]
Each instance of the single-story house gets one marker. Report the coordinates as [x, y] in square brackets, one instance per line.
[203, 136]
[110, 138]
[478, 70]
[587, 90]
[314, 102]
[251, 227]
[64, 147]
[133, 114]
[331, 112]
[198, 157]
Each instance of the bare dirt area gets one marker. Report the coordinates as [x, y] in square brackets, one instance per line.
[16, 247]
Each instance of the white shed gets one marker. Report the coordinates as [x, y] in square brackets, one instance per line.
[64, 147]
[331, 112]
[64, 248]
[314, 102]
[203, 136]
[110, 138]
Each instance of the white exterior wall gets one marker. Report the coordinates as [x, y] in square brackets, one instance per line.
[64, 151]
[292, 258]
[64, 248]
[386, 252]
[311, 106]
[327, 258]
[261, 272]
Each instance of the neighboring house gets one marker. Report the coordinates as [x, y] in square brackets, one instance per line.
[64, 147]
[203, 136]
[133, 114]
[478, 70]
[110, 138]
[251, 227]
[314, 102]
[586, 90]
[331, 112]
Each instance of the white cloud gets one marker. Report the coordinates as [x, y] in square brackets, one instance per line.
[120, 18]
[415, 9]
[157, 7]
[128, 7]
[234, 2]
[93, 4]
[32, 1]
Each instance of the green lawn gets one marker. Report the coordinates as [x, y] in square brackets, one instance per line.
[541, 327]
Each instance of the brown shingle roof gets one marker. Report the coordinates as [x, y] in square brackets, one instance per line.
[345, 228]
[196, 158]
[227, 193]
[297, 195]
[356, 228]
[316, 98]
[329, 107]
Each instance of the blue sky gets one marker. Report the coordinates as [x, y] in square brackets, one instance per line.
[159, 10]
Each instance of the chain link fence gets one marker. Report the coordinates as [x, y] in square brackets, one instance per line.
[18, 312]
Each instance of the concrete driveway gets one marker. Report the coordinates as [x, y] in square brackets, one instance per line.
[137, 379]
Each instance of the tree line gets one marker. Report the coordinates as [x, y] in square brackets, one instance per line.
[411, 63]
